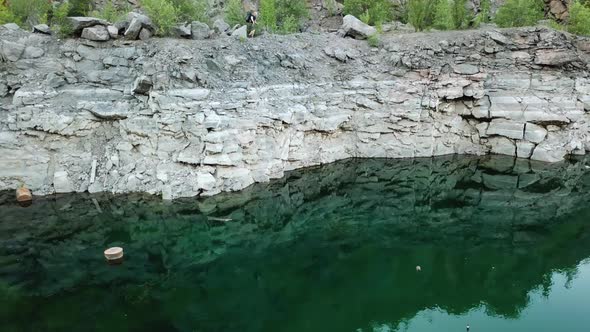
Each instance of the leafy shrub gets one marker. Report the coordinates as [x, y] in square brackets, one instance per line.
[80, 7]
[365, 17]
[162, 13]
[579, 19]
[420, 13]
[192, 10]
[29, 12]
[234, 12]
[291, 8]
[517, 13]
[268, 14]
[374, 12]
[460, 16]
[556, 25]
[373, 40]
[60, 19]
[282, 15]
[443, 16]
[289, 25]
[6, 15]
[110, 13]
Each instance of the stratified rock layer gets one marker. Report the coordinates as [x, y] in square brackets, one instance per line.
[185, 118]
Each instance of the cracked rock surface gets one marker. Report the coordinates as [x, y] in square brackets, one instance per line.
[183, 118]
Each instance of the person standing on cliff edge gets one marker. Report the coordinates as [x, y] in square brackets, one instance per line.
[251, 21]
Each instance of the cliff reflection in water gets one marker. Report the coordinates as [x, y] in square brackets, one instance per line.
[330, 248]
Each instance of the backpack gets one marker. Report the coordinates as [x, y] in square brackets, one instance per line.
[248, 17]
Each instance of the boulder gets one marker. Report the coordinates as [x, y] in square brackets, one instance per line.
[502, 145]
[498, 37]
[241, 33]
[221, 27]
[534, 133]
[558, 9]
[137, 23]
[80, 23]
[466, 69]
[42, 28]
[11, 51]
[61, 182]
[96, 33]
[355, 28]
[182, 30]
[555, 57]
[32, 52]
[205, 181]
[145, 34]
[142, 85]
[524, 149]
[11, 26]
[506, 128]
[113, 31]
[549, 153]
[199, 30]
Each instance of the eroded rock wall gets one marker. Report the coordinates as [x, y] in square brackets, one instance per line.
[186, 118]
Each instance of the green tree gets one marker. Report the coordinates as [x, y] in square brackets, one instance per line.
[517, 13]
[443, 15]
[268, 14]
[163, 14]
[375, 12]
[420, 13]
[579, 19]
[234, 12]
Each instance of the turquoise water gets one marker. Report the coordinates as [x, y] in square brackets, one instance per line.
[503, 245]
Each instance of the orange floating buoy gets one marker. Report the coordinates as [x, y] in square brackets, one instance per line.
[114, 255]
[23, 195]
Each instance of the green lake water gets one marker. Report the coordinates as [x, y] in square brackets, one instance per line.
[503, 245]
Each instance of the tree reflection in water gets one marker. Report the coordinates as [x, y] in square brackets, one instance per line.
[329, 248]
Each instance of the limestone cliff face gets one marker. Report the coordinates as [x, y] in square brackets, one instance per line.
[184, 118]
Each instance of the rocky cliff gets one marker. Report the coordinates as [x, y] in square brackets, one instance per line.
[185, 118]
